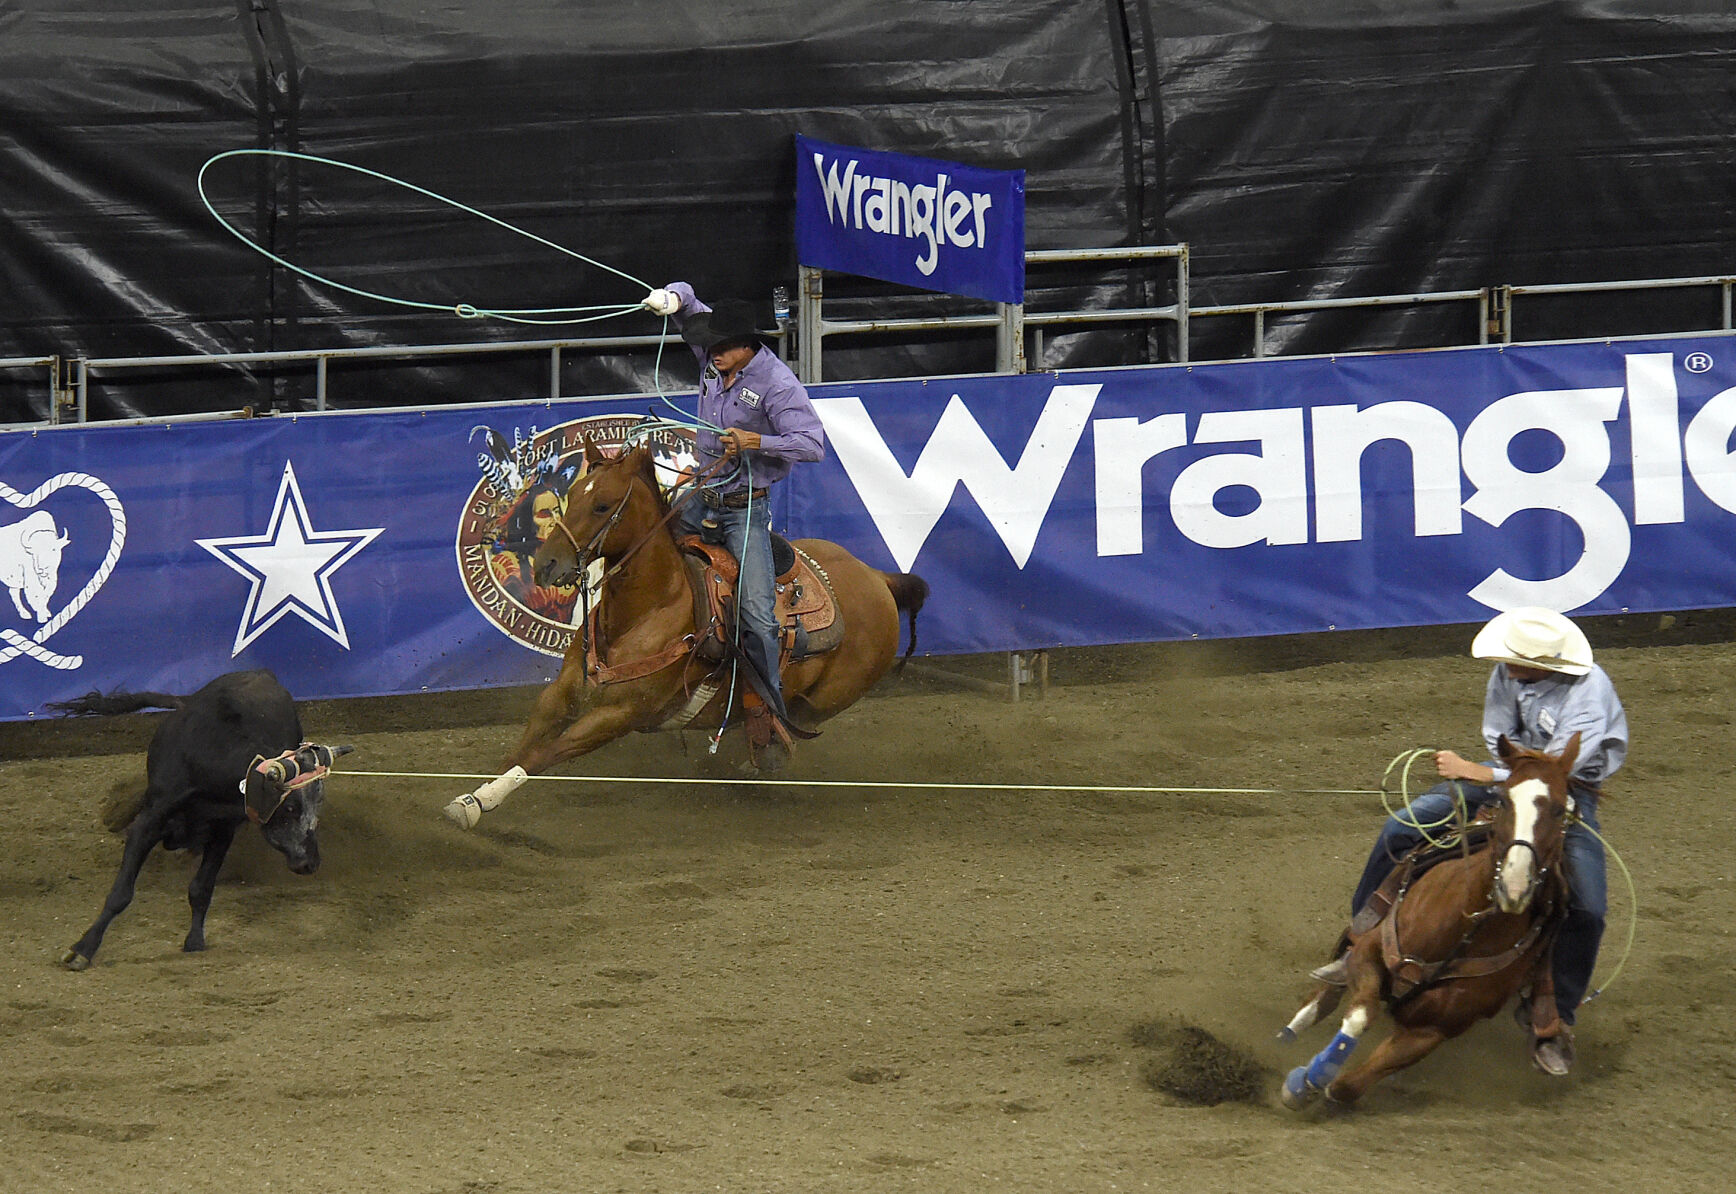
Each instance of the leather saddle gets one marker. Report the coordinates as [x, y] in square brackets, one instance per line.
[808, 619]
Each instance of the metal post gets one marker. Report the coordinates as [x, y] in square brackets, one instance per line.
[810, 326]
[1028, 667]
[554, 372]
[60, 396]
[1500, 321]
[1182, 300]
[1259, 334]
[1010, 338]
[319, 383]
[83, 388]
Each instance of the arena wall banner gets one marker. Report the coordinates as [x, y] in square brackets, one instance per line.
[916, 221]
[373, 553]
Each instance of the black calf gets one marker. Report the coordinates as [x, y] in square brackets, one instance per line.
[198, 762]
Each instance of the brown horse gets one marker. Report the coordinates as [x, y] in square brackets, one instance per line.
[645, 630]
[1464, 938]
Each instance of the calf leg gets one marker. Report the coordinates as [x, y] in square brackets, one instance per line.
[205, 882]
[143, 835]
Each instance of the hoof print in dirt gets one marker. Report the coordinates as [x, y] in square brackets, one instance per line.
[1196, 1067]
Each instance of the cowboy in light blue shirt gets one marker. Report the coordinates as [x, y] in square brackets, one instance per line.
[1543, 690]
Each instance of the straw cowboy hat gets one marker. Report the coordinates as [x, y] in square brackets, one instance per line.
[1534, 637]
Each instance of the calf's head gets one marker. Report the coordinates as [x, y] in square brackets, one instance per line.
[284, 796]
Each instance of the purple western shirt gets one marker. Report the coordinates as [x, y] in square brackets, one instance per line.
[765, 397]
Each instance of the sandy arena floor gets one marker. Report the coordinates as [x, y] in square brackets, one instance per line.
[689, 987]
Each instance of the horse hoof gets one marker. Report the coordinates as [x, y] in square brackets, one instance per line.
[1297, 1093]
[73, 960]
[464, 811]
[1287, 1034]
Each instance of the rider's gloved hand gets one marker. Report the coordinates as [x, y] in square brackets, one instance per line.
[661, 302]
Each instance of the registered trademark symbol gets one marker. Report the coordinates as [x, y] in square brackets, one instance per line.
[1697, 362]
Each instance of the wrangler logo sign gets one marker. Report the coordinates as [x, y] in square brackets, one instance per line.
[933, 225]
[1124, 505]
[1367, 491]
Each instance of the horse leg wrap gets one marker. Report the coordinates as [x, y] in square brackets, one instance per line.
[1326, 1064]
[467, 810]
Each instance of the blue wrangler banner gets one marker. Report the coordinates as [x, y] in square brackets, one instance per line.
[916, 221]
[370, 553]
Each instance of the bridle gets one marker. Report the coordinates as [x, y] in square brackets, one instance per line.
[583, 553]
[1539, 867]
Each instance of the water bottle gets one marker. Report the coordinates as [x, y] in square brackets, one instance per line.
[781, 306]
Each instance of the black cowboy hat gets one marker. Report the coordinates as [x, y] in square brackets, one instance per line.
[730, 320]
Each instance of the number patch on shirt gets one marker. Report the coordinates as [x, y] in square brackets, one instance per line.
[748, 397]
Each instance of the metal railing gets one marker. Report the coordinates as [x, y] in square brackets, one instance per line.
[1010, 322]
[51, 367]
[320, 360]
[69, 380]
[1261, 311]
[1504, 295]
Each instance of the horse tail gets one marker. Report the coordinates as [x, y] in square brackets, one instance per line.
[909, 591]
[121, 805]
[94, 704]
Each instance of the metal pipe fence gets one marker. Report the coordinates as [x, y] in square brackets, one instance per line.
[1019, 331]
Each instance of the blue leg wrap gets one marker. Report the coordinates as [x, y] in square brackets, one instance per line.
[1326, 1064]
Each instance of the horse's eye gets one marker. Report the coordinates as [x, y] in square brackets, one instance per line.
[600, 508]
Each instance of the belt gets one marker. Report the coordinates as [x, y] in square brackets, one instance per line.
[734, 500]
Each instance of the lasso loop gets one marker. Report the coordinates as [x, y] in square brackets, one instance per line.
[543, 316]
[1633, 914]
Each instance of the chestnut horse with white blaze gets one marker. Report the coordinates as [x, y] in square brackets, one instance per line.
[1459, 942]
[645, 629]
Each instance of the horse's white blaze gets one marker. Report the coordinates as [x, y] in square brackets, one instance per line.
[1516, 868]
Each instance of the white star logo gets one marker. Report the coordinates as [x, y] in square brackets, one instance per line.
[290, 566]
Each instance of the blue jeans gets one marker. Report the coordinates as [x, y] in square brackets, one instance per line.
[747, 533]
[1588, 895]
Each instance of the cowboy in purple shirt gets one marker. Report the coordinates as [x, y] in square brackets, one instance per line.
[768, 424]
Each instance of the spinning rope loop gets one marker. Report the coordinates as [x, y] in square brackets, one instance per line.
[524, 315]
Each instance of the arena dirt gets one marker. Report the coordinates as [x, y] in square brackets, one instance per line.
[686, 987]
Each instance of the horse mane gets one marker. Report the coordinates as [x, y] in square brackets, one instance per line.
[647, 472]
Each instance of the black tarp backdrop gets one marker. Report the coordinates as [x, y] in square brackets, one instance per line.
[1303, 150]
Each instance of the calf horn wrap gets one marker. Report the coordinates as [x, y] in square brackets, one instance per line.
[269, 782]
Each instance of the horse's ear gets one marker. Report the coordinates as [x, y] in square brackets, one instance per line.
[1570, 753]
[1504, 750]
[593, 454]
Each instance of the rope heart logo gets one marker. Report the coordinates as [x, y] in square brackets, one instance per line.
[30, 550]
